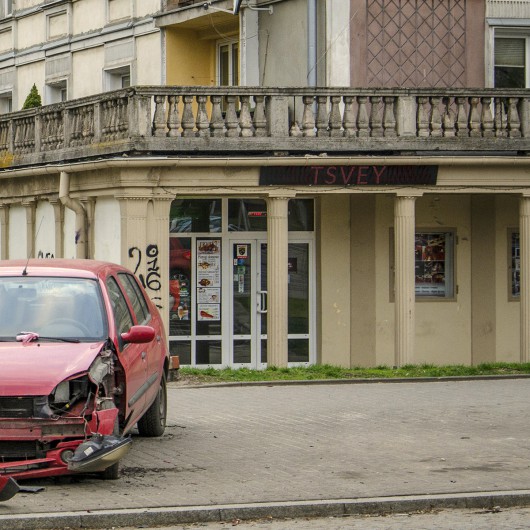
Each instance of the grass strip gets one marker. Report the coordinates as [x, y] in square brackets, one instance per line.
[326, 371]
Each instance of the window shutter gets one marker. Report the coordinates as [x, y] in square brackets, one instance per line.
[509, 52]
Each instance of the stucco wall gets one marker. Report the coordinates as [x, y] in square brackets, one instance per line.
[107, 241]
[149, 57]
[44, 231]
[87, 16]
[187, 65]
[26, 76]
[17, 233]
[87, 72]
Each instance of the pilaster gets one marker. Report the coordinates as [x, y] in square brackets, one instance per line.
[524, 242]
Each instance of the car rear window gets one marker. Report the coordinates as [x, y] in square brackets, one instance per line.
[136, 297]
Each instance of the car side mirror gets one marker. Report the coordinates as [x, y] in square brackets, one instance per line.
[139, 334]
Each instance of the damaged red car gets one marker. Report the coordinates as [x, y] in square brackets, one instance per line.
[83, 360]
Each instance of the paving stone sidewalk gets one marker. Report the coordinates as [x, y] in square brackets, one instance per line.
[266, 444]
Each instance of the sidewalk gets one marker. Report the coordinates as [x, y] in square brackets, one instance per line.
[293, 450]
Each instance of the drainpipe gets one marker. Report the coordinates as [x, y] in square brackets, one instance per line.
[312, 42]
[80, 215]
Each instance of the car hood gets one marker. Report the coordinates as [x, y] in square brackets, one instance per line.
[36, 368]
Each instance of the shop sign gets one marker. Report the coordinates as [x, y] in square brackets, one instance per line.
[366, 175]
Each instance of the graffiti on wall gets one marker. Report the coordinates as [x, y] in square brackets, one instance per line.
[41, 254]
[152, 280]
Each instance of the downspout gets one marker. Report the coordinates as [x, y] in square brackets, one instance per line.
[80, 215]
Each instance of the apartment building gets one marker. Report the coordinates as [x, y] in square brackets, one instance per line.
[295, 181]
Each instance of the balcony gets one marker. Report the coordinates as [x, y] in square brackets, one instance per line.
[245, 121]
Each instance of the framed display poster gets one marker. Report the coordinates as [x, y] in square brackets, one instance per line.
[208, 279]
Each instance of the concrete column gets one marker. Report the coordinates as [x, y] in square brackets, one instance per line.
[30, 227]
[404, 230]
[89, 204]
[277, 257]
[4, 231]
[133, 211]
[524, 242]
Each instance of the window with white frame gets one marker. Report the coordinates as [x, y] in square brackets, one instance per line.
[511, 56]
[228, 63]
[6, 8]
[117, 78]
[57, 92]
[6, 102]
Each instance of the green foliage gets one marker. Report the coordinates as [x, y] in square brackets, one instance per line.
[326, 371]
[33, 100]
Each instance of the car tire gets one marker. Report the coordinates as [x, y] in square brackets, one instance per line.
[112, 472]
[153, 422]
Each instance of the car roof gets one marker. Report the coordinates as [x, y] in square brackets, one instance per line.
[81, 268]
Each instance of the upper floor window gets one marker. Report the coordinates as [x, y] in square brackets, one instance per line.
[228, 63]
[6, 8]
[6, 102]
[511, 61]
[117, 78]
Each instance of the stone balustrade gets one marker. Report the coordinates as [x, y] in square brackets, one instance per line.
[245, 120]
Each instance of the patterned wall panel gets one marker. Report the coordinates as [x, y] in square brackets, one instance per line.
[416, 43]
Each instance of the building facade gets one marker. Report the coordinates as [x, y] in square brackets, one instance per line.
[373, 210]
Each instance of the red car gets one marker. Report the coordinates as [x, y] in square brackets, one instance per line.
[83, 359]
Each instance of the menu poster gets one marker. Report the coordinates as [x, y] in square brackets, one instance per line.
[208, 279]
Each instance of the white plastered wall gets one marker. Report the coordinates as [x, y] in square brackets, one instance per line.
[44, 231]
[107, 223]
[148, 55]
[31, 31]
[17, 233]
[88, 15]
[87, 68]
[69, 234]
[26, 76]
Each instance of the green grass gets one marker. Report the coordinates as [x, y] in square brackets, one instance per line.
[210, 375]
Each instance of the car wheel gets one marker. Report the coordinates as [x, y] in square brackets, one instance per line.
[112, 472]
[153, 422]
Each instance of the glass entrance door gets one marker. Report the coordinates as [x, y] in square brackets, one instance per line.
[250, 304]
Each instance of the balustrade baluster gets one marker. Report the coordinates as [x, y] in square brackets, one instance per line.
[188, 120]
[231, 121]
[448, 120]
[173, 117]
[376, 121]
[422, 117]
[362, 117]
[202, 121]
[474, 118]
[514, 123]
[486, 118]
[159, 118]
[435, 120]
[308, 117]
[461, 122]
[245, 119]
[499, 123]
[389, 117]
[260, 120]
[335, 119]
[348, 118]
[322, 116]
[217, 125]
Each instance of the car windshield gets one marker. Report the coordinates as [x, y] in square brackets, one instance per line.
[51, 308]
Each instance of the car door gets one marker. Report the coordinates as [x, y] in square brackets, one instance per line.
[154, 351]
[133, 357]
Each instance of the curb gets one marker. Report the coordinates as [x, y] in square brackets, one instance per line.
[149, 517]
[286, 382]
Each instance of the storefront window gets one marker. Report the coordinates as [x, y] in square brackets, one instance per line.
[515, 265]
[433, 267]
[179, 285]
[195, 215]
[250, 215]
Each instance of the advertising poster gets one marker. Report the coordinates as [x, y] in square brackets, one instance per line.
[208, 279]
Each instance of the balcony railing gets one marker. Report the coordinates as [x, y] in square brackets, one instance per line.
[210, 121]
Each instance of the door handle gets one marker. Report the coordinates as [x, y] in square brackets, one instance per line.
[144, 355]
[262, 301]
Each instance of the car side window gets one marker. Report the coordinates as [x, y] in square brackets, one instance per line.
[136, 297]
[122, 316]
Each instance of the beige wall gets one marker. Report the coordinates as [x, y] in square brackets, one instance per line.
[87, 72]
[27, 75]
[149, 58]
[335, 280]
[87, 16]
[31, 31]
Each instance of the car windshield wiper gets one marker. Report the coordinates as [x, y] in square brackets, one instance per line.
[30, 336]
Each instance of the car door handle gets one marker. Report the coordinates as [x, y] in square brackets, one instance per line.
[144, 355]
